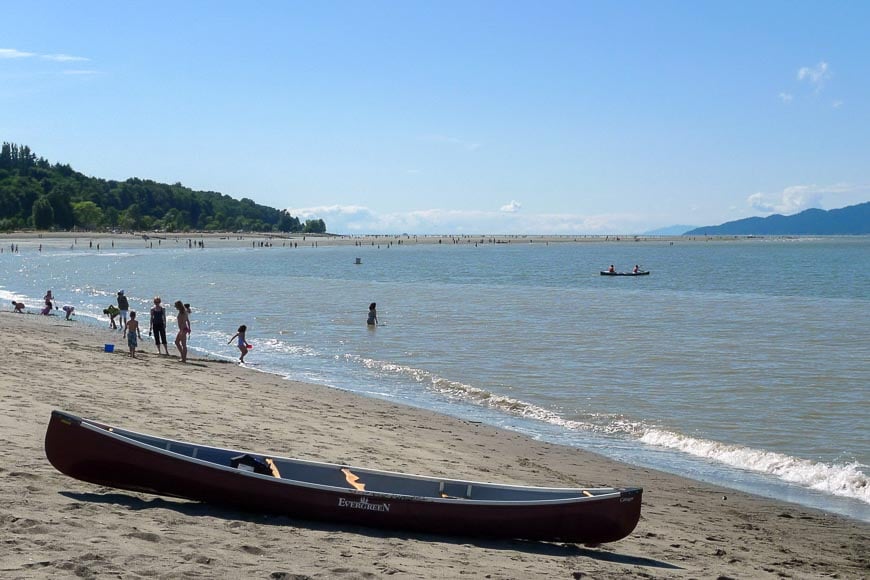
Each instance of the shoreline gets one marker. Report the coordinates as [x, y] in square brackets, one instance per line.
[82, 240]
[687, 528]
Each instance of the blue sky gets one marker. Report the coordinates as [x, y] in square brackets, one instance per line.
[455, 117]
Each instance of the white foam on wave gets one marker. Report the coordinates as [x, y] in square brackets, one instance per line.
[607, 424]
[90, 254]
[847, 480]
[7, 296]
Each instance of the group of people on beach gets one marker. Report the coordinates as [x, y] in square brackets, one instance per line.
[129, 324]
[156, 326]
[48, 306]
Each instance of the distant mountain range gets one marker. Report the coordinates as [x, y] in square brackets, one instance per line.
[846, 221]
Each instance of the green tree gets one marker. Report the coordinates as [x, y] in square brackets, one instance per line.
[25, 178]
[59, 197]
[42, 213]
[314, 227]
[87, 214]
[129, 218]
[110, 215]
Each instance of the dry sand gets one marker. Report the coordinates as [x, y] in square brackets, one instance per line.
[55, 526]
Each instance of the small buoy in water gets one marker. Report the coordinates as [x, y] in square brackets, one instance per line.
[250, 346]
[358, 261]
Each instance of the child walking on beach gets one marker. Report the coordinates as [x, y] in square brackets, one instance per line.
[242, 343]
[131, 331]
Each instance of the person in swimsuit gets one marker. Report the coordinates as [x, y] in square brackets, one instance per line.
[242, 343]
[46, 309]
[183, 330]
[133, 334]
[18, 306]
[70, 310]
[373, 315]
[158, 325]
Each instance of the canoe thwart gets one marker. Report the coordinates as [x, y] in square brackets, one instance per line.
[455, 491]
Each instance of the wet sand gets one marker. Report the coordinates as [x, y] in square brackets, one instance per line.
[29, 241]
[55, 526]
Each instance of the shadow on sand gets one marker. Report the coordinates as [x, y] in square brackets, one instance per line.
[197, 509]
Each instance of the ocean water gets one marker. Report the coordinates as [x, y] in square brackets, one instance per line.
[744, 363]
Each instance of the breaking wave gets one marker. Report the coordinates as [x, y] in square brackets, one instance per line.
[846, 480]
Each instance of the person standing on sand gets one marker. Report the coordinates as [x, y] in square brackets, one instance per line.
[242, 344]
[123, 306]
[183, 330]
[158, 325]
[133, 334]
[373, 315]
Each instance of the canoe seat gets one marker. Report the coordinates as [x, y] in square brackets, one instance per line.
[451, 493]
[353, 479]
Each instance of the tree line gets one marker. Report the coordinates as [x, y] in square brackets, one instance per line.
[36, 194]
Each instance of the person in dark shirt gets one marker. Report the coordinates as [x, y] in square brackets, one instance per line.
[158, 325]
[123, 306]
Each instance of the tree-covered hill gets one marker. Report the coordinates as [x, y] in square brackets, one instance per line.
[37, 194]
[851, 220]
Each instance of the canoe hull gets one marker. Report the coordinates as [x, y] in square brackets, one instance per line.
[606, 273]
[99, 457]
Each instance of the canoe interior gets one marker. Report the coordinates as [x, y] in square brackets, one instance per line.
[312, 473]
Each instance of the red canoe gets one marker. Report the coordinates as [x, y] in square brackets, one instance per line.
[109, 456]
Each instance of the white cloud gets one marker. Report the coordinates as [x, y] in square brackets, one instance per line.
[354, 219]
[796, 198]
[64, 58]
[817, 75]
[461, 143]
[786, 97]
[82, 72]
[837, 104]
[512, 207]
[9, 53]
[12, 53]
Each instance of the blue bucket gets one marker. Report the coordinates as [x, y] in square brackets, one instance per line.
[109, 348]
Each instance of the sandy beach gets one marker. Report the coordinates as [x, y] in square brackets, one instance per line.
[34, 241]
[54, 526]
